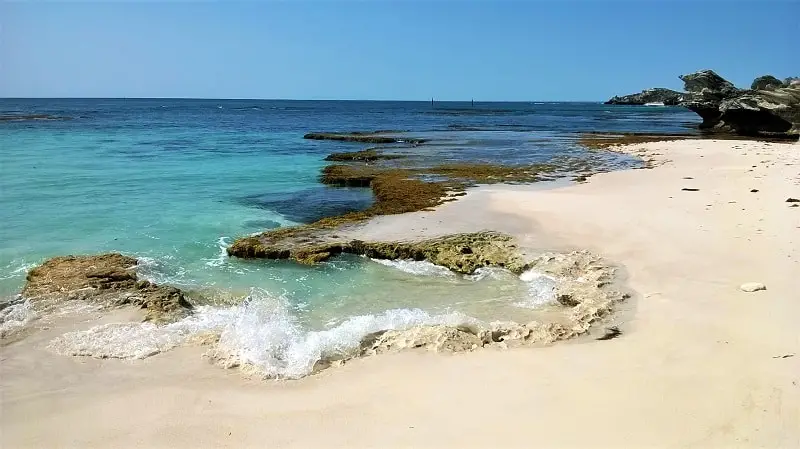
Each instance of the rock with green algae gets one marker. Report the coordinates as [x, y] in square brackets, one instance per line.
[368, 155]
[106, 279]
[461, 253]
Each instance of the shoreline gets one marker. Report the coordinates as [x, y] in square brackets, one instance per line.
[697, 354]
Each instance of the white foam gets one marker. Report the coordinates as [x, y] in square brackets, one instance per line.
[222, 254]
[494, 273]
[261, 332]
[16, 268]
[274, 342]
[416, 267]
[137, 340]
[157, 270]
[15, 317]
[541, 289]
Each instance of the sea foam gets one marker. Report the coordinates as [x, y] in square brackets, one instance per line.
[416, 267]
[262, 332]
[541, 289]
[14, 316]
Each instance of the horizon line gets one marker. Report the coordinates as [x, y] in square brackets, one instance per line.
[298, 99]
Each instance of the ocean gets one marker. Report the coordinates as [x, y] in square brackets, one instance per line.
[173, 182]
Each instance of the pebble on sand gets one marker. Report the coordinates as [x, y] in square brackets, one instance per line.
[752, 286]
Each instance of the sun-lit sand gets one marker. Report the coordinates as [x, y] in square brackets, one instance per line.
[700, 363]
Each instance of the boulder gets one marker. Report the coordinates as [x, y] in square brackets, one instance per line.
[106, 279]
[657, 95]
[767, 82]
[706, 90]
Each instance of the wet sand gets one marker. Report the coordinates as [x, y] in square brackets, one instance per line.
[700, 363]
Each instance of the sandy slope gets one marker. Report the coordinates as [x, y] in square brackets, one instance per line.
[695, 367]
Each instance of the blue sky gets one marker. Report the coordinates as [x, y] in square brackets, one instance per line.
[380, 49]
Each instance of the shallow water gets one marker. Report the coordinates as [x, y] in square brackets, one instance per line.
[174, 181]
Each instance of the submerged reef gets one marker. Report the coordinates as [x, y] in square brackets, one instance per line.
[364, 137]
[368, 155]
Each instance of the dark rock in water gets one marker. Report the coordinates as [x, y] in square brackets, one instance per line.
[766, 82]
[656, 95]
[107, 279]
[368, 155]
[374, 137]
[24, 117]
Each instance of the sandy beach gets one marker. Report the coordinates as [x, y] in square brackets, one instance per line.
[700, 363]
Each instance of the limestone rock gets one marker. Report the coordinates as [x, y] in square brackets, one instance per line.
[656, 95]
[706, 90]
[752, 287]
[106, 279]
[461, 253]
[767, 82]
[763, 112]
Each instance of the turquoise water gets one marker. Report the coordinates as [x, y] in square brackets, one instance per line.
[174, 181]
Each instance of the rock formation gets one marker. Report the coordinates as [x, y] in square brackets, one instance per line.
[706, 90]
[656, 95]
[108, 280]
[768, 112]
[767, 82]
[364, 137]
[770, 108]
[461, 253]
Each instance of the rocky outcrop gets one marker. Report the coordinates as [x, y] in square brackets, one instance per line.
[364, 137]
[767, 82]
[584, 296]
[461, 253]
[657, 95]
[108, 280]
[368, 155]
[768, 112]
[706, 90]
[771, 108]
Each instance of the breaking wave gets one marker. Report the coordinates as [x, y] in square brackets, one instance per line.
[261, 332]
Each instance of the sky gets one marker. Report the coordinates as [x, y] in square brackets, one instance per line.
[567, 50]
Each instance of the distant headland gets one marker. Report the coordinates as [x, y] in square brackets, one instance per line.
[770, 107]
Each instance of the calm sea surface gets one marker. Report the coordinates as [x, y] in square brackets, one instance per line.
[174, 181]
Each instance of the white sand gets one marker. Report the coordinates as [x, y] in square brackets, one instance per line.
[695, 366]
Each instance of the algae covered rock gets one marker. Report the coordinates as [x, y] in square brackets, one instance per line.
[368, 155]
[106, 279]
[461, 253]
